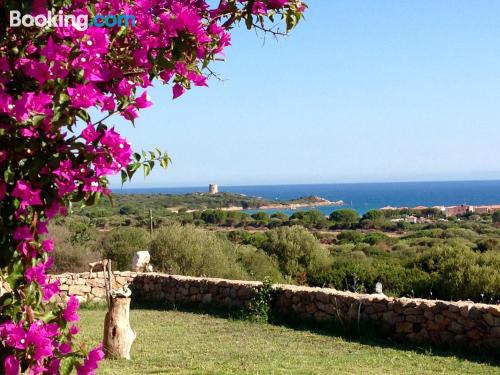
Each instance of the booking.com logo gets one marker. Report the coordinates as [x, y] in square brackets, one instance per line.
[80, 22]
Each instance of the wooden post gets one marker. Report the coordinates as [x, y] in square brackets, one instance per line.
[118, 336]
[151, 223]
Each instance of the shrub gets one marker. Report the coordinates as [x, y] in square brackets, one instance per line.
[361, 275]
[67, 256]
[81, 230]
[256, 239]
[350, 236]
[120, 245]
[260, 304]
[461, 273]
[375, 238]
[186, 250]
[296, 251]
[258, 264]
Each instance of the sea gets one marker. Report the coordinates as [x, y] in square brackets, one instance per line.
[361, 197]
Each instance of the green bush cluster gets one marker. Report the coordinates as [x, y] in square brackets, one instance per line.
[120, 245]
[187, 250]
[444, 258]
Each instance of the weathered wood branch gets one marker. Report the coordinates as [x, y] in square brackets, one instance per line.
[118, 335]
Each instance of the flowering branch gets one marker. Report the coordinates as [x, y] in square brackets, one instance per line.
[50, 78]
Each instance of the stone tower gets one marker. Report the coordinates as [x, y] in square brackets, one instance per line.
[213, 189]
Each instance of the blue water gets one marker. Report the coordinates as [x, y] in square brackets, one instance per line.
[364, 196]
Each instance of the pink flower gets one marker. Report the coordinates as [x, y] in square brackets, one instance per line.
[90, 363]
[71, 312]
[259, 8]
[124, 87]
[276, 4]
[32, 104]
[73, 330]
[109, 104]
[39, 337]
[54, 209]
[41, 227]
[130, 113]
[54, 365]
[36, 273]
[48, 246]
[90, 134]
[55, 52]
[178, 90]
[85, 96]
[11, 365]
[23, 233]
[65, 348]
[96, 40]
[14, 335]
[143, 101]
[25, 249]
[50, 290]
[3, 189]
[27, 195]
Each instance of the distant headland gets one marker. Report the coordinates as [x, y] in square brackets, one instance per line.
[214, 199]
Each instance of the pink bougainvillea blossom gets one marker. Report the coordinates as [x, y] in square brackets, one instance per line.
[54, 150]
[71, 311]
[90, 363]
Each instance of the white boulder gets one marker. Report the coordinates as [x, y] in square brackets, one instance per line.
[140, 262]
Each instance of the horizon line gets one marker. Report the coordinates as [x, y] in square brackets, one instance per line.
[305, 184]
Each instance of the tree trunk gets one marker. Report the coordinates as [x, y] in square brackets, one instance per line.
[118, 336]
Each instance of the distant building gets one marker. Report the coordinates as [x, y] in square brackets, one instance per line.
[411, 219]
[487, 209]
[213, 189]
[460, 210]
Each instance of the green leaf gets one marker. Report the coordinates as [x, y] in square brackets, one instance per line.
[63, 98]
[249, 21]
[67, 365]
[15, 274]
[8, 175]
[49, 316]
[124, 176]
[37, 119]
[6, 299]
[164, 163]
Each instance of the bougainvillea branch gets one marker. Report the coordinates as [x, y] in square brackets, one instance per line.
[52, 153]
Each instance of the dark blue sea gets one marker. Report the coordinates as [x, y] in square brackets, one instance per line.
[363, 196]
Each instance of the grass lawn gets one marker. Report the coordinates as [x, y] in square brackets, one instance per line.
[173, 342]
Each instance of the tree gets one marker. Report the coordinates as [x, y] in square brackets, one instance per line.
[50, 78]
[309, 219]
[262, 218]
[496, 217]
[344, 219]
[214, 217]
[373, 219]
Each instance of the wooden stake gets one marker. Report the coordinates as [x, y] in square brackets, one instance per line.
[151, 223]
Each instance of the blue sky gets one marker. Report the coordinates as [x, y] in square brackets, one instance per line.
[362, 91]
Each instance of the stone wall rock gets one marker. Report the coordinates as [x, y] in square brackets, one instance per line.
[429, 322]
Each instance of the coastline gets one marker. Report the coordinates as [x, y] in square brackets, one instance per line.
[278, 206]
[285, 206]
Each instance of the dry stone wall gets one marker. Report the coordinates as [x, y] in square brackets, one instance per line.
[421, 321]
